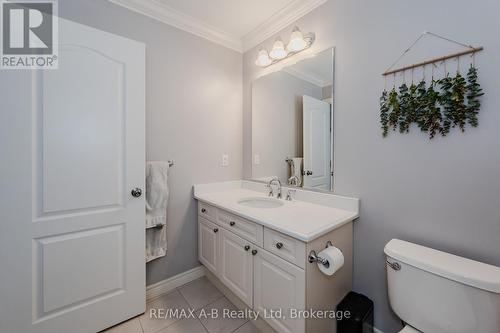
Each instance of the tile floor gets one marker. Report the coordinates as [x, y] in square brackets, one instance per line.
[199, 295]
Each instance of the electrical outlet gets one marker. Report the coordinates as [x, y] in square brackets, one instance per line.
[256, 159]
[225, 160]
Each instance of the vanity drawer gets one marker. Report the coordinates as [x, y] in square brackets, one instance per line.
[251, 231]
[207, 211]
[285, 247]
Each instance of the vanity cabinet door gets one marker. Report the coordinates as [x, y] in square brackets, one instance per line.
[208, 244]
[279, 285]
[237, 265]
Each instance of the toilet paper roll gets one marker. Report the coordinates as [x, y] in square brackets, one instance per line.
[335, 260]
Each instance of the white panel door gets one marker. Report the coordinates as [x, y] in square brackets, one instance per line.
[208, 244]
[72, 147]
[279, 285]
[317, 143]
[237, 266]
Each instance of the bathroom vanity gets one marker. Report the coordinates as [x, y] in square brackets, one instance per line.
[258, 246]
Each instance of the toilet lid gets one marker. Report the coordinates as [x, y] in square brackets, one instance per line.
[409, 329]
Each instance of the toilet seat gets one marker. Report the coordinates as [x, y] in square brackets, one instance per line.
[409, 329]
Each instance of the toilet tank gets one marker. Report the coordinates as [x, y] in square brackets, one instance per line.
[438, 292]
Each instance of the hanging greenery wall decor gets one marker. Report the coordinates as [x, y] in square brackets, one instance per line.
[437, 107]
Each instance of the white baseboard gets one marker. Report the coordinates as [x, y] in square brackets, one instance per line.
[164, 286]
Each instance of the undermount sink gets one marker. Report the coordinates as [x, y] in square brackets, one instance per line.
[259, 202]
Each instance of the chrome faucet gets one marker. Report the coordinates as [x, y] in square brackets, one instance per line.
[271, 191]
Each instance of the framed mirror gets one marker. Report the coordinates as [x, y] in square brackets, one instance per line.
[292, 122]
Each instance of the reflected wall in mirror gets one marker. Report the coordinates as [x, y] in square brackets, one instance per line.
[292, 121]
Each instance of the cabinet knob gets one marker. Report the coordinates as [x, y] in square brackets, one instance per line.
[247, 247]
[136, 192]
[254, 252]
[216, 230]
[232, 223]
[279, 245]
[203, 210]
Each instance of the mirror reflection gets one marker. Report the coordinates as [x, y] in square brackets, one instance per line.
[292, 118]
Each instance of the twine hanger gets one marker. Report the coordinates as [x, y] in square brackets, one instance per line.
[470, 50]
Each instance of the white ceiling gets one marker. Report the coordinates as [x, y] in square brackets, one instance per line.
[236, 17]
[237, 24]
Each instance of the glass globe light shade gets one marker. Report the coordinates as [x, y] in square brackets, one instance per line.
[297, 41]
[263, 59]
[278, 51]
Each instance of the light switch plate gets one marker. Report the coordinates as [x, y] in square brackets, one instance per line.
[256, 159]
[225, 160]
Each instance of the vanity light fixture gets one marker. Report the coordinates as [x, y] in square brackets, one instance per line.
[298, 42]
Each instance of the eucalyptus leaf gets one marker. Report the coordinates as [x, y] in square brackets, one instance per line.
[459, 91]
[433, 117]
[384, 113]
[404, 104]
[394, 109]
[421, 106]
[446, 101]
[474, 91]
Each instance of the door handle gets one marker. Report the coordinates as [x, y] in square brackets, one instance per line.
[136, 192]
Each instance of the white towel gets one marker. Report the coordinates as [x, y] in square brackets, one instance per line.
[157, 193]
[296, 169]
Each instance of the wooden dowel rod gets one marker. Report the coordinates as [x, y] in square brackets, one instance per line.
[431, 61]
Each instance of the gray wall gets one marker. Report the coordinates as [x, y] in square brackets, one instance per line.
[277, 122]
[445, 193]
[327, 91]
[193, 115]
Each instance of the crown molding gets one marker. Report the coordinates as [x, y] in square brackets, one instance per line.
[171, 16]
[279, 21]
[311, 78]
[166, 14]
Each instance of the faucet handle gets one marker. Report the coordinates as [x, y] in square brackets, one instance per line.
[268, 186]
[289, 194]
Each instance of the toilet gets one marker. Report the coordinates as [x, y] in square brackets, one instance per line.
[437, 292]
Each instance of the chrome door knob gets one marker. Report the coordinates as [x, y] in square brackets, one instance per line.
[247, 247]
[136, 192]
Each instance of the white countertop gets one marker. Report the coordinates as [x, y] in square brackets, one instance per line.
[308, 216]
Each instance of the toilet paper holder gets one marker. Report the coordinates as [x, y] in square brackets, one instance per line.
[314, 258]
